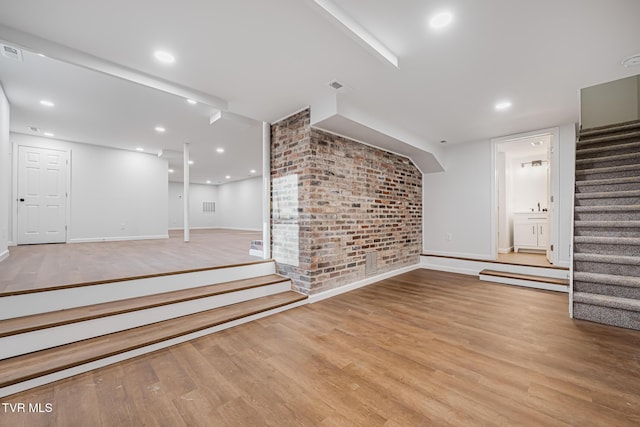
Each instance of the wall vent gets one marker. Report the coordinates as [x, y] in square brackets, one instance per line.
[208, 207]
[371, 263]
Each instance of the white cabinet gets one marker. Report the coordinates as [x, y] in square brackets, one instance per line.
[530, 231]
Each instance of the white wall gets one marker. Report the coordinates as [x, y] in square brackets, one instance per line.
[458, 201]
[198, 193]
[5, 175]
[240, 204]
[115, 194]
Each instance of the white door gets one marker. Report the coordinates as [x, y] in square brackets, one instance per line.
[42, 195]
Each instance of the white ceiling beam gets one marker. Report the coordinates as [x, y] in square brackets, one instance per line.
[349, 23]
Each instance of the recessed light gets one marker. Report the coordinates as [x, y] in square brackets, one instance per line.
[164, 56]
[49, 134]
[190, 162]
[228, 177]
[47, 103]
[220, 150]
[41, 55]
[160, 129]
[171, 171]
[441, 20]
[140, 149]
[192, 102]
[252, 171]
[208, 182]
[503, 105]
[443, 141]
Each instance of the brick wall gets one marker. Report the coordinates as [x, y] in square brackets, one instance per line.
[343, 199]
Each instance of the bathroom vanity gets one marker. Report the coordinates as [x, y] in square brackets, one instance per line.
[530, 230]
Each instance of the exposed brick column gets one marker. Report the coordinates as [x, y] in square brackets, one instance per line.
[334, 200]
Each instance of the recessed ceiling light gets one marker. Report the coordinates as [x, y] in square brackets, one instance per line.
[49, 134]
[171, 171]
[190, 162]
[631, 61]
[228, 177]
[208, 182]
[220, 150]
[140, 149]
[164, 56]
[252, 171]
[160, 129]
[441, 20]
[41, 55]
[47, 103]
[503, 105]
[192, 102]
[443, 141]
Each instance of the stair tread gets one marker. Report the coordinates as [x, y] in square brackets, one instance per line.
[607, 208]
[608, 194]
[608, 169]
[603, 224]
[617, 127]
[614, 135]
[63, 317]
[605, 148]
[609, 181]
[607, 279]
[610, 259]
[608, 240]
[33, 365]
[611, 158]
[607, 301]
[530, 277]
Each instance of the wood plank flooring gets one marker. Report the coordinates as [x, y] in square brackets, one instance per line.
[525, 258]
[43, 266]
[424, 348]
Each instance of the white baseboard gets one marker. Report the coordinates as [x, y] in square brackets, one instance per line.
[240, 229]
[505, 250]
[117, 239]
[4, 255]
[361, 283]
[487, 257]
[216, 228]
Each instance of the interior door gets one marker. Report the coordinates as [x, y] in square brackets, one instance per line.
[42, 195]
[550, 201]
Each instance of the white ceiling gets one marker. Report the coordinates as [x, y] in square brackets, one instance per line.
[269, 59]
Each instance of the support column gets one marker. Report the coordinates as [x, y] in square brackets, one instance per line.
[266, 190]
[185, 196]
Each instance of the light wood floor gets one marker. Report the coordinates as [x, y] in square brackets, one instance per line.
[43, 266]
[539, 260]
[424, 348]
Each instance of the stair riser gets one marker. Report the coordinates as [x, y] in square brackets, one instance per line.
[604, 163]
[42, 302]
[595, 248]
[605, 232]
[602, 289]
[589, 175]
[608, 187]
[606, 150]
[608, 201]
[616, 138]
[607, 316]
[15, 345]
[606, 268]
[608, 216]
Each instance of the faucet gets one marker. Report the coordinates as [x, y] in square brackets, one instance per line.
[538, 206]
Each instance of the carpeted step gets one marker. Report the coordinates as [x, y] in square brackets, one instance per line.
[607, 228]
[608, 161]
[594, 151]
[608, 213]
[608, 172]
[608, 198]
[610, 184]
[618, 128]
[616, 311]
[607, 284]
[607, 245]
[607, 264]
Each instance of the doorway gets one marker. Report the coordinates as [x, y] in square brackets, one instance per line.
[42, 195]
[524, 214]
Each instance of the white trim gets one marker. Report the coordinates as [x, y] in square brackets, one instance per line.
[239, 229]
[361, 283]
[117, 238]
[505, 250]
[4, 255]
[275, 122]
[266, 190]
[524, 283]
[478, 257]
[474, 267]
